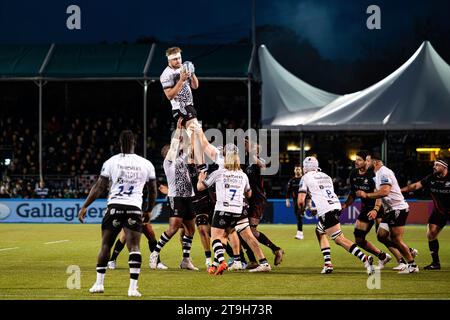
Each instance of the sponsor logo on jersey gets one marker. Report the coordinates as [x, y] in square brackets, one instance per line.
[384, 179]
[116, 223]
[131, 221]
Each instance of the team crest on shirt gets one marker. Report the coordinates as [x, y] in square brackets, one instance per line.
[384, 179]
[222, 222]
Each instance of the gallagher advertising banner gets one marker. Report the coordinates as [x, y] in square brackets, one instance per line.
[66, 210]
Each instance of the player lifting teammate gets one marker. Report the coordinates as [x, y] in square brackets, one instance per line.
[180, 198]
[128, 173]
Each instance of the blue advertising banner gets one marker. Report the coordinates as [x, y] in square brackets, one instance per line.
[66, 210]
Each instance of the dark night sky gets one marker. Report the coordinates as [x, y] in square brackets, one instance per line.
[334, 28]
[317, 40]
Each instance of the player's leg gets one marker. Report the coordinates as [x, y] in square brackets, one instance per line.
[149, 233]
[383, 236]
[299, 214]
[195, 133]
[174, 224]
[204, 230]
[189, 231]
[436, 223]
[243, 228]
[110, 229]
[325, 248]
[362, 228]
[330, 222]
[397, 237]
[133, 239]
[235, 244]
[120, 244]
[218, 237]
[433, 244]
[254, 218]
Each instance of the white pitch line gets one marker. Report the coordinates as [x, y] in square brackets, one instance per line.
[5, 249]
[52, 242]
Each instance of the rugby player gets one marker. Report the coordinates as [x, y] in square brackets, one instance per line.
[181, 193]
[319, 187]
[232, 185]
[438, 184]
[129, 174]
[292, 192]
[396, 209]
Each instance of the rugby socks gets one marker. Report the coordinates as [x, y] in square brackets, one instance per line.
[263, 261]
[382, 255]
[354, 250]
[218, 251]
[208, 254]
[237, 257]
[434, 250]
[117, 249]
[187, 244]
[152, 245]
[162, 242]
[101, 270]
[229, 250]
[326, 252]
[134, 262]
[250, 254]
[262, 238]
[299, 223]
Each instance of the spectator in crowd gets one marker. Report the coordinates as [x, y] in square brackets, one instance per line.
[41, 191]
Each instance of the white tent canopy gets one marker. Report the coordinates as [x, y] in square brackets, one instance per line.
[287, 100]
[415, 96]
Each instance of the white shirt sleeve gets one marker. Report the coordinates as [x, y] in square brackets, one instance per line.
[106, 169]
[166, 79]
[151, 172]
[303, 188]
[385, 178]
[247, 184]
[211, 179]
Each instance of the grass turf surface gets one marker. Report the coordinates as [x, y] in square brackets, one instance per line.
[35, 262]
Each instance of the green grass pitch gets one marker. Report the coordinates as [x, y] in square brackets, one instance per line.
[34, 262]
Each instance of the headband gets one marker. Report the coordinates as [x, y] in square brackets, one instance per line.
[174, 56]
[442, 163]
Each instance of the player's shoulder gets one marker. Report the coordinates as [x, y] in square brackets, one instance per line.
[353, 173]
[386, 171]
[168, 72]
[113, 159]
[144, 160]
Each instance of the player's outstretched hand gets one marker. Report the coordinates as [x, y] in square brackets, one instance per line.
[372, 214]
[82, 214]
[361, 194]
[202, 176]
